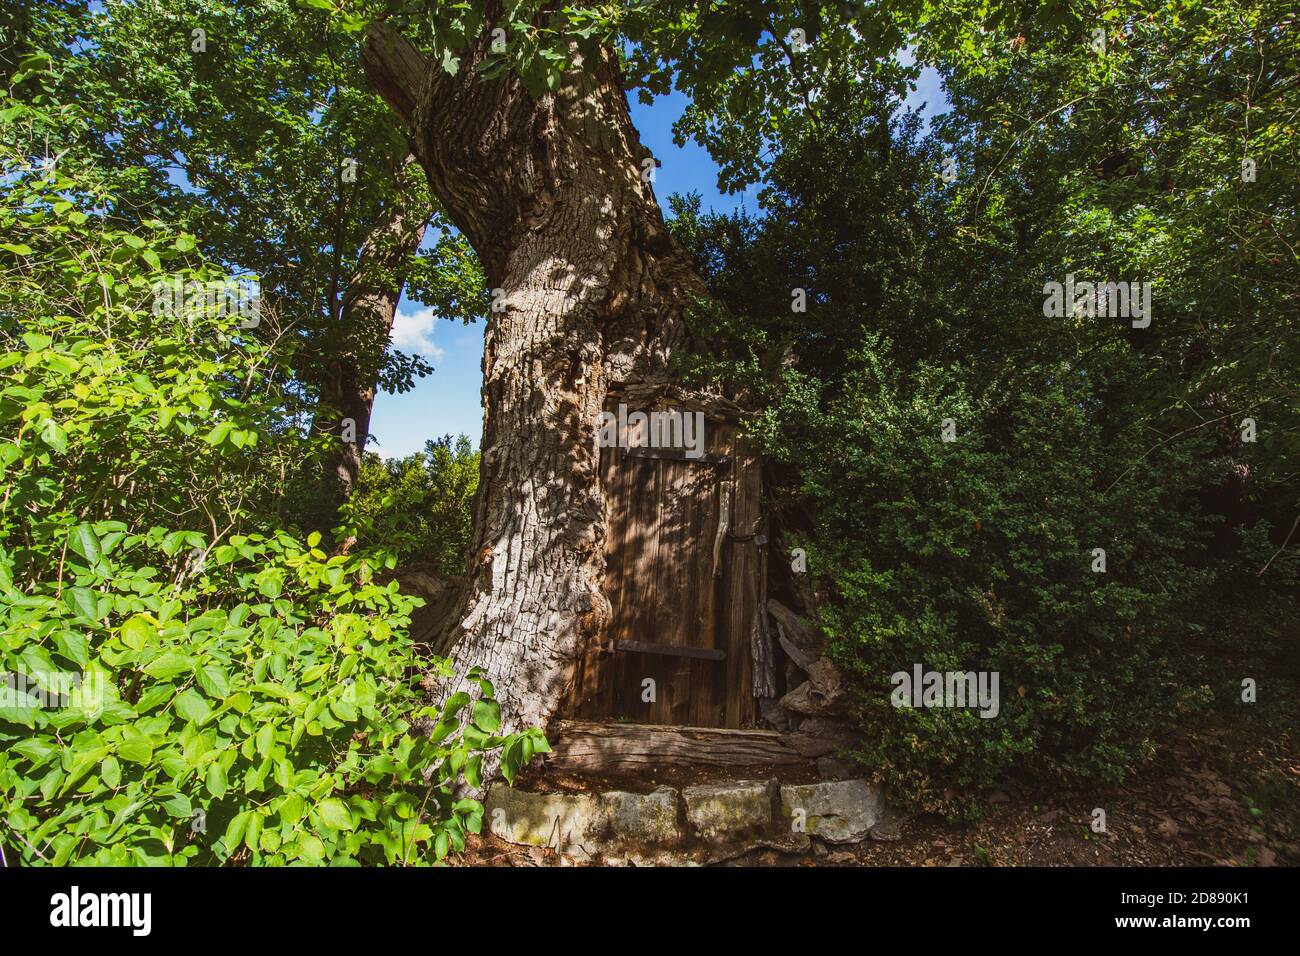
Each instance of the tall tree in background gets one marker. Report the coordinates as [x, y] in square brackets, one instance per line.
[354, 361]
[249, 122]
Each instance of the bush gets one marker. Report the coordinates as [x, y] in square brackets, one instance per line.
[269, 731]
[188, 682]
[977, 555]
[419, 507]
[1070, 435]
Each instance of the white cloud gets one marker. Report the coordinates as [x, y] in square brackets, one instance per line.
[413, 332]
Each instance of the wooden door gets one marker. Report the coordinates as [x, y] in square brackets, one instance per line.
[683, 559]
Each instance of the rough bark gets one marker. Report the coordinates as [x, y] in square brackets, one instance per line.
[549, 192]
[347, 388]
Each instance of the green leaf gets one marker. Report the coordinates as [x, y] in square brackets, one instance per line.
[171, 544]
[81, 762]
[85, 542]
[135, 746]
[443, 730]
[218, 433]
[487, 715]
[265, 739]
[212, 678]
[74, 646]
[82, 603]
[344, 710]
[310, 848]
[474, 771]
[169, 665]
[235, 829]
[215, 781]
[54, 436]
[110, 771]
[190, 705]
[136, 631]
[34, 749]
[254, 831]
[334, 814]
[179, 806]
[292, 809]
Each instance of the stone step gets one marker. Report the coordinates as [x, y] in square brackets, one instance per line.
[704, 822]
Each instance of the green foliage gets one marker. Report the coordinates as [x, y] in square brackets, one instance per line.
[1130, 163]
[269, 147]
[278, 729]
[419, 507]
[143, 458]
[748, 81]
[925, 304]
[976, 555]
[187, 681]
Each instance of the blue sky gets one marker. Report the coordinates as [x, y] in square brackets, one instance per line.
[448, 401]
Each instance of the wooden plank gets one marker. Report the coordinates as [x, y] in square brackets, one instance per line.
[582, 746]
[662, 519]
[708, 681]
[724, 525]
[594, 694]
[620, 587]
[763, 667]
[671, 573]
[670, 650]
[762, 649]
[641, 546]
[742, 585]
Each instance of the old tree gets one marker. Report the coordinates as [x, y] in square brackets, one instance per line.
[166, 535]
[519, 116]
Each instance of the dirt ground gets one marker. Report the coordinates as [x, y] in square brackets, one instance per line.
[1225, 794]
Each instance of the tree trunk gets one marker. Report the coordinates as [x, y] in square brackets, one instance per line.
[347, 389]
[342, 398]
[550, 193]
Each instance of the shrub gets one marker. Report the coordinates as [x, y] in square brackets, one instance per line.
[419, 507]
[924, 303]
[977, 555]
[273, 730]
[188, 682]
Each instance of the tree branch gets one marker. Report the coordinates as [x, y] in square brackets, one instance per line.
[395, 67]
